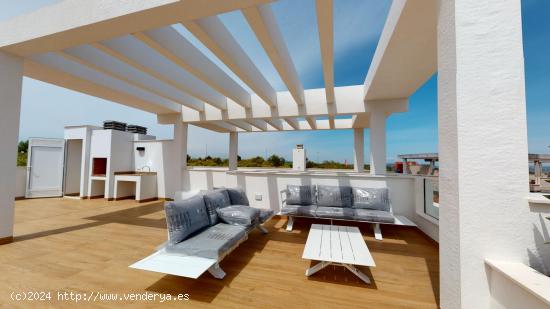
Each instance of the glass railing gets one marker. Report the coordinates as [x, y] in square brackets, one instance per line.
[431, 197]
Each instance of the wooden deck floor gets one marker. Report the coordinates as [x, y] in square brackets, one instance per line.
[86, 246]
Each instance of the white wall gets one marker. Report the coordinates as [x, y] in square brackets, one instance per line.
[20, 181]
[11, 79]
[73, 166]
[159, 157]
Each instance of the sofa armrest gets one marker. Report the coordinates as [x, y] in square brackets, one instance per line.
[282, 195]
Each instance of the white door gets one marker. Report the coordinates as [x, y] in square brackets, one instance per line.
[45, 167]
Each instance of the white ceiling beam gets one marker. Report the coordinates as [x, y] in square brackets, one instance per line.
[66, 24]
[181, 80]
[57, 62]
[275, 123]
[311, 122]
[215, 36]
[169, 43]
[241, 124]
[349, 100]
[325, 26]
[292, 122]
[80, 84]
[331, 121]
[263, 23]
[406, 54]
[258, 124]
[93, 59]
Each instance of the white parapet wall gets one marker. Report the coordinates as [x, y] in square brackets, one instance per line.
[20, 182]
[264, 186]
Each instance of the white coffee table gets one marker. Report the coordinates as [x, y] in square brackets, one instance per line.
[337, 245]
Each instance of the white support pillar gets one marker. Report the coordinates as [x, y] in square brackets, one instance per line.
[377, 142]
[11, 80]
[359, 150]
[406, 169]
[233, 150]
[180, 152]
[482, 118]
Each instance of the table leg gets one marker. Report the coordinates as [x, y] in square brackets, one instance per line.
[317, 267]
[357, 272]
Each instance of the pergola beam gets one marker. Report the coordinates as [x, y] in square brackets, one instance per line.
[311, 122]
[275, 123]
[258, 124]
[183, 81]
[215, 36]
[169, 43]
[349, 101]
[325, 27]
[401, 49]
[263, 23]
[50, 28]
[293, 123]
[55, 69]
[85, 56]
[241, 124]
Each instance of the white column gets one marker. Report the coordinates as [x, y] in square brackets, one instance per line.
[482, 118]
[180, 152]
[406, 170]
[11, 80]
[359, 150]
[233, 150]
[377, 142]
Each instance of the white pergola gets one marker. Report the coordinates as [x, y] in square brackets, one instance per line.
[128, 51]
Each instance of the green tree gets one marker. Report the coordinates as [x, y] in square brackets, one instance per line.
[22, 149]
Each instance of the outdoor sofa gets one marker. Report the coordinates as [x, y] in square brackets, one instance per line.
[203, 228]
[339, 203]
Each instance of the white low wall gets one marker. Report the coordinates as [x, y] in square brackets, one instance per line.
[516, 285]
[263, 187]
[20, 181]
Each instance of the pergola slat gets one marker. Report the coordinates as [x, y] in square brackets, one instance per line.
[214, 35]
[70, 67]
[263, 23]
[169, 43]
[87, 56]
[185, 82]
[325, 26]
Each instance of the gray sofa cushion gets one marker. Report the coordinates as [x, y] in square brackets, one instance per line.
[299, 210]
[290, 209]
[238, 196]
[334, 212]
[186, 217]
[265, 214]
[334, 196]
[373, 215]
[212, 243]
[238, 215]
[300, 195]
[215, 199]
[371, 198]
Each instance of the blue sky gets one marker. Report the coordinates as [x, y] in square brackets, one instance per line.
[46, 109]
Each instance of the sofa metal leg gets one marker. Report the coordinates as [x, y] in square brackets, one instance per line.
[216, 271]
[289, 223]
[377, 231]
[262, 229]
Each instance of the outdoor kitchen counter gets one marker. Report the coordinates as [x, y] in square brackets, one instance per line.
[144, 190]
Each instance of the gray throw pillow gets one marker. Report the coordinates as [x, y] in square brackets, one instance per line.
[300, 195]
[184, 218]
[239, 215]
[216, 199]
[334, 196]
[238, 196]
[371, 198]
